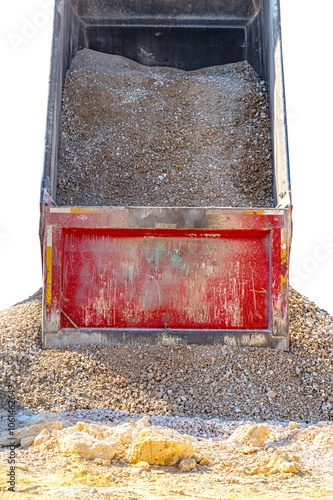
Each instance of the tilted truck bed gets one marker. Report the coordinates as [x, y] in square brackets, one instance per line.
[167, 275]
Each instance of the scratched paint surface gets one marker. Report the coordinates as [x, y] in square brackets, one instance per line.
[203, 281]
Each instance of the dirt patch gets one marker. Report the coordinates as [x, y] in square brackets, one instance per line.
[232, 472]
[136, 135]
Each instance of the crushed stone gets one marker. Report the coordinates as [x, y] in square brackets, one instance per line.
[134, 135]
[208, 382]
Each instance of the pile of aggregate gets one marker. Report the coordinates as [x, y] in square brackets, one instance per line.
[223, 382]
[137, 135]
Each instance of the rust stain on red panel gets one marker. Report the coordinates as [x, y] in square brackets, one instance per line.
[132, 280]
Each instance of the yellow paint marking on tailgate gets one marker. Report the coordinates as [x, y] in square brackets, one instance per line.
[48, 288]
[86, 211]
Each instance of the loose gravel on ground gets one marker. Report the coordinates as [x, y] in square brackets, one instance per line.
[227, 383]
[137, 135]
[204, 392]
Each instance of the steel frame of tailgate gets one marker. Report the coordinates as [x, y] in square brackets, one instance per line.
[60, 326]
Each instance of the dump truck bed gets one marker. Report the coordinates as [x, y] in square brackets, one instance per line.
[167, 274]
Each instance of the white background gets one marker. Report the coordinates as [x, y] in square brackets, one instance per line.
[26, 28]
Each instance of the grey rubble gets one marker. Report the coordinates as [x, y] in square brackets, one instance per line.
[137, 135]
[228, 383]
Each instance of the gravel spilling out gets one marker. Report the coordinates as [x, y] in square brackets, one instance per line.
[224, 382]
[136, 135]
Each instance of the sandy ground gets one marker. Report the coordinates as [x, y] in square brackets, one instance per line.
[234, 472]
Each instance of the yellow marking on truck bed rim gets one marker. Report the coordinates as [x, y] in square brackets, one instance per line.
[86, 210]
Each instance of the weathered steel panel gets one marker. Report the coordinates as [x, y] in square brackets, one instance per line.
[197, 280]
[216, 274]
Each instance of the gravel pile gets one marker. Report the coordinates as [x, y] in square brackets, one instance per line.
[227, 383]
[136, 135]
